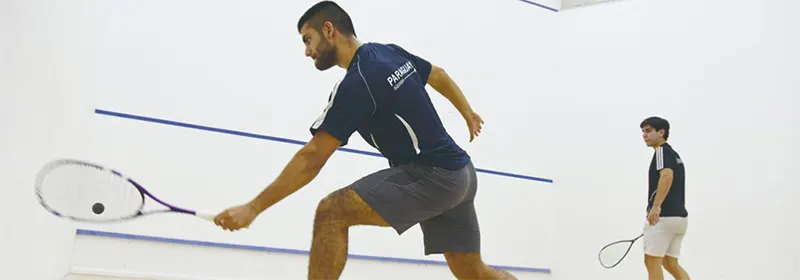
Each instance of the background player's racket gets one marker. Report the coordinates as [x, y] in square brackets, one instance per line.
[613, 253]
[87, 192]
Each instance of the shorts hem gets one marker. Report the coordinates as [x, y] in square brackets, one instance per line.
[398, 227]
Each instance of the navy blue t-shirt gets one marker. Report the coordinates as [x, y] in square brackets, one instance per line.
[383, 97]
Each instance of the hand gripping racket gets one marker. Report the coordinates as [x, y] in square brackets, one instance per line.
[87, 192]
[613, 253]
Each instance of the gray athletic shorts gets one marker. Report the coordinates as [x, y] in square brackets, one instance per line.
[440, 200]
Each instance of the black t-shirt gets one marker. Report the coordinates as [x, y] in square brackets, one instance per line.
[674, 204]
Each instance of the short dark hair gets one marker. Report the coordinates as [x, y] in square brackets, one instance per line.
[327, 11]
[658, 123]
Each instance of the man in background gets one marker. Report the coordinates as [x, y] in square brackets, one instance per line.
[667, 215]
[430, 181]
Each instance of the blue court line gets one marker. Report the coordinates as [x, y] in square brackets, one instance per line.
[284, 140]
[282, 250]
[539, 5]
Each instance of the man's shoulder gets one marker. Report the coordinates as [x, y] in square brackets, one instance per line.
[670, 150]
[353, 81]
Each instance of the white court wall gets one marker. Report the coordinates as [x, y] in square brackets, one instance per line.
[562, 94]
[40, 56]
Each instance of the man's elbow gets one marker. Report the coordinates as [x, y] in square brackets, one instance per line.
[437, 77]
[666, 175]
[313, 158]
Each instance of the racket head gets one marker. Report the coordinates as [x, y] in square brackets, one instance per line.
[87, 192]
[612, 254]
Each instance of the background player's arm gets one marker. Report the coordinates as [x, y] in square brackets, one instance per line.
[665, 163]
[664, 184]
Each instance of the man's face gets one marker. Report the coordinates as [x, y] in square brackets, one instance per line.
[651, 135]
[318, 48]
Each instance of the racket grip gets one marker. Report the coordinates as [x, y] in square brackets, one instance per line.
[206, 215]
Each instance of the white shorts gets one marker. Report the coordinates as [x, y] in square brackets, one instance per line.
[665, 237]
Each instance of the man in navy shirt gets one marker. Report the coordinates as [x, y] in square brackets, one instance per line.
[430, 179]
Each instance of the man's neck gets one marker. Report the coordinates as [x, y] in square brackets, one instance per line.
[659, 144]
[347, 51]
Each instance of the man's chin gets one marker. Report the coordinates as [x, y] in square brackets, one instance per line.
[322, 67]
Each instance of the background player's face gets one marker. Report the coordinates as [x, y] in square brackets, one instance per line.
[651, 135]
[319, 47]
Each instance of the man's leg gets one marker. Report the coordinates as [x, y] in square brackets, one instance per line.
[335, 214]
[653, 265]
[456, 233]
[399, 197]
[675, 269]
[470, 266]
[673, 252]
[656, 241]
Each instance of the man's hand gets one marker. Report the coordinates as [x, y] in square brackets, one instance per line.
[474, 123]
[655, 212]
[237, 217]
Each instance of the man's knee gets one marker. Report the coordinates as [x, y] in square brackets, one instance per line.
[345, 208]
[465, 265]
[330, 208]
[670, 264]
[653, 261]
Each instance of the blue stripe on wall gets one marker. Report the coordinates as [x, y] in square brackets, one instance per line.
[284, 140]
[282, 250]
[539, 5]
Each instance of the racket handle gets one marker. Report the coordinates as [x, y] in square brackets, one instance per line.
[206, 215]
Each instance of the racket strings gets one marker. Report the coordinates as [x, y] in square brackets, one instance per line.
[88, 193]
[613, 254]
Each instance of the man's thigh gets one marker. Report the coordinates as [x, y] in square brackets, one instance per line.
[678, 225]
[454, 231]
[656, 239]
[664, 238]
[406, 195]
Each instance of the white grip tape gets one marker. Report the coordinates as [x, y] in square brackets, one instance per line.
[206, 215]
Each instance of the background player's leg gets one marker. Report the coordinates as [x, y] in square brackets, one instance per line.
[672, 266]
[657, 239]
[678, 225]
[653, 264]
[335, 214]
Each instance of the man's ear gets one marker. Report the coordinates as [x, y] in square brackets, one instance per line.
[327, 30]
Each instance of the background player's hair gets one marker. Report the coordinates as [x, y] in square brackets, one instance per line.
[327, 11]
[658, 124]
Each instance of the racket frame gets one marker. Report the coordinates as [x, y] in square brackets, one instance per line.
[42, 174]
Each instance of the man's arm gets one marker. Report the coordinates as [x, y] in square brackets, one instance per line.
[301, 170]
[441, 82]
[665, 162]
[664, 184]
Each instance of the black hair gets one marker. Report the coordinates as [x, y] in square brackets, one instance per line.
[327, 11]
[657, 123]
